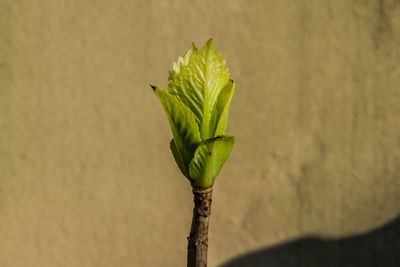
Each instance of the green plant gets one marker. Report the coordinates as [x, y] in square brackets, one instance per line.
[197, 106]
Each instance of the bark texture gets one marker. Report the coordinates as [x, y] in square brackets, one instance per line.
[198, 238]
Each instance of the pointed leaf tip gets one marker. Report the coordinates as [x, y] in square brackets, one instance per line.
[209, 44]
[153, 87]
[193, 46]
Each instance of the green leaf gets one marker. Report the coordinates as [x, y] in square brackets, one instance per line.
[220, 113]
[208, 160]
[183, 126]
[178, 158]
[197, 80]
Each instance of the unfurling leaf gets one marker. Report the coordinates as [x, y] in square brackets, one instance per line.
[183, 126]
[197, 106]
[208, 160]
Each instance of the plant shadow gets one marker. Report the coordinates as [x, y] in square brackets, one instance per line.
[377, 248]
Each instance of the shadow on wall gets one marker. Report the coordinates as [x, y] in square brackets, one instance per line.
[378, 248]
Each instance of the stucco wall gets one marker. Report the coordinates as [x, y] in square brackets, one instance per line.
[86, 175]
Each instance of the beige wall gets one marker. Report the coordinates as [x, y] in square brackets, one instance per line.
[86, 175]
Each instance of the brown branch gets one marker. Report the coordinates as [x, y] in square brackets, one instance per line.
[198, 238]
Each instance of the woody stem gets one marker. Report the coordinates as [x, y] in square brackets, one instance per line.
[198, 238]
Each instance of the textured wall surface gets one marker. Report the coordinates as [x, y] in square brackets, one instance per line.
[86, 175]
